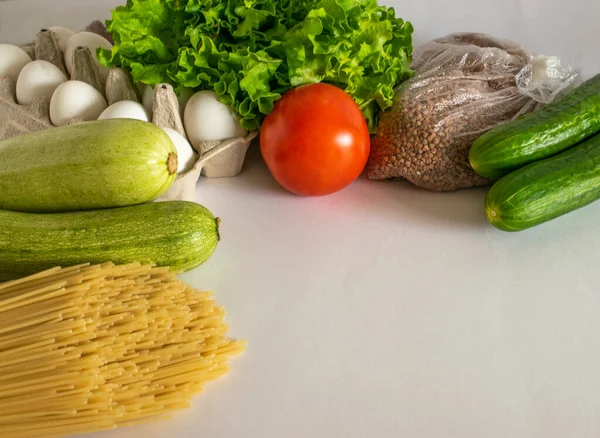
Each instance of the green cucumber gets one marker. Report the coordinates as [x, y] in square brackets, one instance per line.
[541, 134]
[547, 189]
[178, 234]
[93, 165]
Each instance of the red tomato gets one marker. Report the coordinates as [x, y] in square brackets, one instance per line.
[315, 141]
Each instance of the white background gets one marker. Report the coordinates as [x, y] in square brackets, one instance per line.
[389, 311]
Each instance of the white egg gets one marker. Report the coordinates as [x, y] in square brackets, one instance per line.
[62, 35]
[207, 119]
[89, 40]
[12, 61]
[185, 94]
[125, 109]
[38, 79]
[186, 156]
[148, 98]
[75, 99]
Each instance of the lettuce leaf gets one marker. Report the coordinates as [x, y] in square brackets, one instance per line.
[250, 52]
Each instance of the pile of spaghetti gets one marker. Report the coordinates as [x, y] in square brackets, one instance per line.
[89, 348]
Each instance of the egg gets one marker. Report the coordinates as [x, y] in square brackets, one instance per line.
[186, 156]
[62, 35]
[207, 119]
[148, 98]
[185, 94]
[12, 61]
[38, 79]
[125, 109]
[75, 99]
[89, 40]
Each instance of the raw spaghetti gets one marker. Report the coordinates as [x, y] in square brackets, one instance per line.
[90, 348]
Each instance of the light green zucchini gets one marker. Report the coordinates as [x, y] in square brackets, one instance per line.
[102, 164]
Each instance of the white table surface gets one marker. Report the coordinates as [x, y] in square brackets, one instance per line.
[389, 311]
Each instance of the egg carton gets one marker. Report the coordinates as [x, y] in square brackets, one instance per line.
[215, 159]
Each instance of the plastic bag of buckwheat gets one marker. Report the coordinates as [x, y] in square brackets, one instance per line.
[465, 84]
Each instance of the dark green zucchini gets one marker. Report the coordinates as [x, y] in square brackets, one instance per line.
[556, 127]
[178, 234]
[547, 189]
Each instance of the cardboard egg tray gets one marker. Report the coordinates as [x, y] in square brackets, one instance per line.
[214, 159]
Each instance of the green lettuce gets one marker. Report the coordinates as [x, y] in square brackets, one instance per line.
[250, 52]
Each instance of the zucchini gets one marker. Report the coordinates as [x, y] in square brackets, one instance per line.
[178, 234]
[541, 134]
[93, 165]
[546, 189]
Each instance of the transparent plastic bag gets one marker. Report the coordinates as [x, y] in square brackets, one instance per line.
[465, 84]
